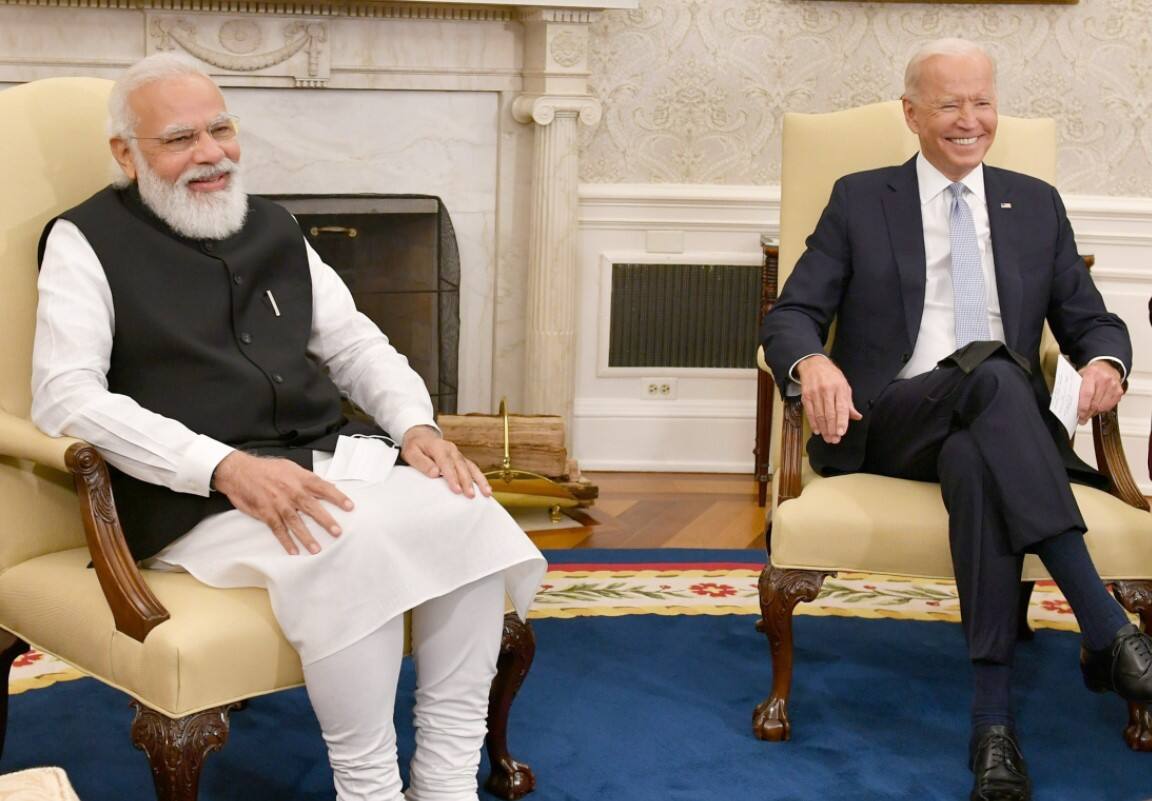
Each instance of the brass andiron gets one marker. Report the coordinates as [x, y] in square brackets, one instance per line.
[523, 489]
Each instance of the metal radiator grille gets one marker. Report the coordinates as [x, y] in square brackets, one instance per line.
[683, 315]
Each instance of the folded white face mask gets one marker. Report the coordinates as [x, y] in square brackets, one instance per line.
[362, 458]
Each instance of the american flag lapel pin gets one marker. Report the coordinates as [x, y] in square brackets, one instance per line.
[1005, 205]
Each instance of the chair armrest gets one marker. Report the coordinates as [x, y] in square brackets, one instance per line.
[135, 609]
[791, 449]
[19, 439]
[791, 440]
[1110, 459]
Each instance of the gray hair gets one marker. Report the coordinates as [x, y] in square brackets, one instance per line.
[940, 47]
[156, 67]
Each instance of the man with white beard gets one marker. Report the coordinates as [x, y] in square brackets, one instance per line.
[189, 332]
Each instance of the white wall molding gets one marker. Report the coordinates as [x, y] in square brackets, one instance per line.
[626, 409]
[688, 207]
[647, 195]
[1140, 276]
[1109, 208]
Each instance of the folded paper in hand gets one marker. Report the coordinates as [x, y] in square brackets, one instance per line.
[1066, 394]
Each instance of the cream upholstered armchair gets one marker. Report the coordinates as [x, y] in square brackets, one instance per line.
[874, 524]
[159, 637]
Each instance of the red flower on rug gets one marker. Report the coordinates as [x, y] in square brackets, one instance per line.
[24, 660]
[1060, 607]
[713, 590]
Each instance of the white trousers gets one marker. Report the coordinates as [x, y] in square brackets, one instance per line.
[455, 642]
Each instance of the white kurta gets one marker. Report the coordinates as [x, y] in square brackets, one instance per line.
[409, 538]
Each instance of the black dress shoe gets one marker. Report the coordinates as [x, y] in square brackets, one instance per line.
[1124, 667]
[998, 765]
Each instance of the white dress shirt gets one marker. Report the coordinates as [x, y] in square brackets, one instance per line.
[937, 336]
[75, 325]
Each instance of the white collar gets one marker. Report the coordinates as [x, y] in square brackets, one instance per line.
[932, 182]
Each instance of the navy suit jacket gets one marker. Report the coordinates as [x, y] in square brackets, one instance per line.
[864, 269]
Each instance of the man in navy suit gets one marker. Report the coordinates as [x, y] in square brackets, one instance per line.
[940, 274]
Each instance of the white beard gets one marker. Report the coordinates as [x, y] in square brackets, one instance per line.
[196, 215]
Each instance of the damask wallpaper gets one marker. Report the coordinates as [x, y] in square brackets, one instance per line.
[694, 90]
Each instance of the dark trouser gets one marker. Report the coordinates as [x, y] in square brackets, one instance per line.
[983, 437]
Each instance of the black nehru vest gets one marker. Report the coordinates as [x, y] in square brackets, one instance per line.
[213, 334]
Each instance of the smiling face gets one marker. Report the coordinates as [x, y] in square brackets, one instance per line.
[953, 111]
[180, 104]
[184, 156]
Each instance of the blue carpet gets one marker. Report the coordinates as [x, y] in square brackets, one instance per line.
[654, 708]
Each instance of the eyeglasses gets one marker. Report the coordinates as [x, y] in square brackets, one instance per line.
[183, 139]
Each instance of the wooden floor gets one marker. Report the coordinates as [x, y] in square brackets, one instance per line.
[665, 510]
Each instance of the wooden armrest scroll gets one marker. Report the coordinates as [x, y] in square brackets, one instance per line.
[791, 449]
[134, 608]
[1111, 462]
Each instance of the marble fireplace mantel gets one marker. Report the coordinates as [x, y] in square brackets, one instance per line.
[476, 102]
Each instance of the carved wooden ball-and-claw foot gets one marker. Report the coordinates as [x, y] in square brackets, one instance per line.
[1136, 597]
[770, 721]
[780, 591]
[1138, 732]
[510, 780]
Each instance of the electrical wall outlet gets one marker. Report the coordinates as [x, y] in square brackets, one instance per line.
[658, 388]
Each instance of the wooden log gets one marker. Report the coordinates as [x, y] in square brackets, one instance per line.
[584, 491]
[537, 441]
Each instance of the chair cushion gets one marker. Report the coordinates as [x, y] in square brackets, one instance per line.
[874, 524]
[218, 646]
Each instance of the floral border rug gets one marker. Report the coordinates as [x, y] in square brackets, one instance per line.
[721, 588]
[691, 588]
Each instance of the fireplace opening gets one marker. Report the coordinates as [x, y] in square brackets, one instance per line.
[398, 256]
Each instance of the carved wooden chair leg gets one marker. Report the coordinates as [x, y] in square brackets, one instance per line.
[760, 627]
[780, 591]
[1023, 630]
[1136, 597]
[11, 647]
[177, 747]
[509, 779]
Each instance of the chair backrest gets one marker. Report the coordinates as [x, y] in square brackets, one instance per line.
[820, 148]
[53, 154]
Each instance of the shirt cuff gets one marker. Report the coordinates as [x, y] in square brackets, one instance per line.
[1119, 365]
[404, 422]
[198, 464]
[792, 370]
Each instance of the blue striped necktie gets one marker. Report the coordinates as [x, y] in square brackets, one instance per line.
[969, 298]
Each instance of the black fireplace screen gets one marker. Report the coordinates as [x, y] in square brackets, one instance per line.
[398, 256]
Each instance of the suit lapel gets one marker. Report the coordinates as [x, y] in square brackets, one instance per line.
[998, 195]
[906, 233]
